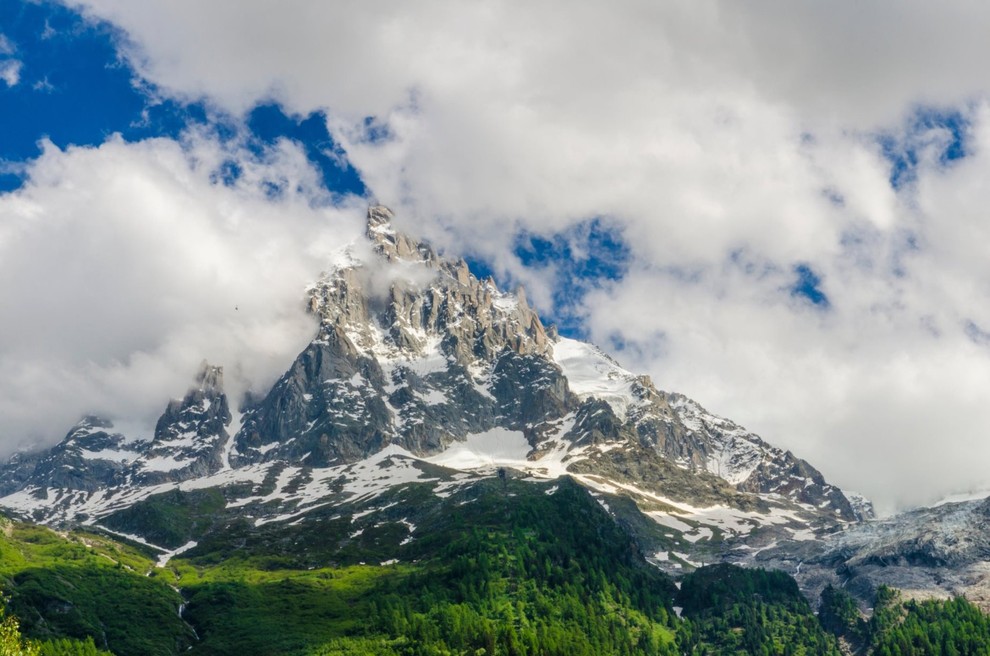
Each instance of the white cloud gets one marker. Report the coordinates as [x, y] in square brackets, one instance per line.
[123, 266]
[856, 63]
[10, 68]
[729, 141]
[10, 72]
[6, 46]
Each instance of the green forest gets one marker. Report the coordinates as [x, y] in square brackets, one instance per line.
[510, 570]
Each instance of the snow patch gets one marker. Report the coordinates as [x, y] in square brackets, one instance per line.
[162, 464]
[169, 555]
[113, 455]
[498, 447]
[433, 397]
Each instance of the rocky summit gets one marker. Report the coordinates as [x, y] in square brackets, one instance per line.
[421, 373]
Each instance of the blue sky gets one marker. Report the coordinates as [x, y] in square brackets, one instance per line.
[778, 212]
[75, 89]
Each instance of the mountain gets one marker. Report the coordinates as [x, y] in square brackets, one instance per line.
[431, 405]
[421, 371]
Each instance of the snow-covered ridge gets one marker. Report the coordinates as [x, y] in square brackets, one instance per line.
[735, 452]
[962, 497]
[593, 374]
[694, 438]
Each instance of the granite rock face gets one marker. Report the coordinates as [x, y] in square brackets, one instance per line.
[90, 457]
[189, 441]
[412, 350]
[191, 436]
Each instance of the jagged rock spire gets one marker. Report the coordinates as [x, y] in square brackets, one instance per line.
[433, 356]
[379, 221]
[390, 243]
[209, 378]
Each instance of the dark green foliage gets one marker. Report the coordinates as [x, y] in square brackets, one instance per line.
[839, 615]
[510, 571]
[731, 610]
[325, 539]
[170, 519]
[718, 587]
[503, 568]
[838, 612]
[129, 614]
[522, 576]
[82, 585]
[68, 647]
[953, 627]
[12, 643]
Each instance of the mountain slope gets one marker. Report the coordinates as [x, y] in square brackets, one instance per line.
[938, 552]
[82, 585]
[500, 566]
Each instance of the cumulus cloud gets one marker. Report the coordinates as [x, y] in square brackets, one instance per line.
[124, 266]
[726, 143]
[10, 72]
[10, 68]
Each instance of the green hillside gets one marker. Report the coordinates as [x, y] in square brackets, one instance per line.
[512, 568]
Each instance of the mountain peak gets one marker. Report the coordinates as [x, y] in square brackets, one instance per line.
[209, 378]
[379, 220]
[391, 244]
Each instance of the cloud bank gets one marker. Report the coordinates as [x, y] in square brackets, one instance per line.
[728, 146]
[122, 267]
